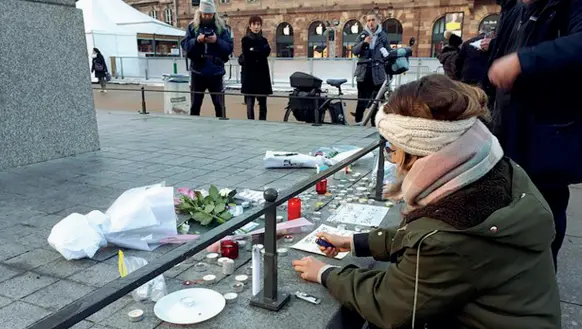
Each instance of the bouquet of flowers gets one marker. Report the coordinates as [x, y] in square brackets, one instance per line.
[206, 207]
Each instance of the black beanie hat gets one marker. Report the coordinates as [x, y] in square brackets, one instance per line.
[455, 40]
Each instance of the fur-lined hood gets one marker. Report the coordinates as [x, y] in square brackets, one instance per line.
[220, 23]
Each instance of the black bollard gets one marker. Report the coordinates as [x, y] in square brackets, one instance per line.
[143, 102]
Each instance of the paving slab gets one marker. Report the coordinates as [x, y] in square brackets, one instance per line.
[571, 316]
[110, 309]
[33, 259]
[570, 271]
[7, 272]
[97, 275]
[62, 268]
[10, 249]
[25, 284]
[5, 301]
[58, 295]
[19, 315]
[120, 319]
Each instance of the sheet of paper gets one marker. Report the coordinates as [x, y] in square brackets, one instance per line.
[359, 214]
[308, 243]
[251, 196]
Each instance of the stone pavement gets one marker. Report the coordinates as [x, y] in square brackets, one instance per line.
[36, 281]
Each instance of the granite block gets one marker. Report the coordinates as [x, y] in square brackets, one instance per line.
[105, 253]
[569, 271]
[42, 118]
[7, 272]
[58, 295]
[10, 250]
[4, 301]
[19, 315]
[108, 310]
[571, 316]
[83, 325]
[24, 285]
[62, 268]
[97, 275]
[33, 259]
[120, 319]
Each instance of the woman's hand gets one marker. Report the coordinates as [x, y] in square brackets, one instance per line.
[341, 243]
[309, 268]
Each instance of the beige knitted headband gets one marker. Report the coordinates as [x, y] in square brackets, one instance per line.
[418, 136]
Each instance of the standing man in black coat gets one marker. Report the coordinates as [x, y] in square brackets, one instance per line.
[473, 60]
[256, 78]
[538, 113]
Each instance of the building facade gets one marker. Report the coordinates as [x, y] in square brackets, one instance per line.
[329, 28]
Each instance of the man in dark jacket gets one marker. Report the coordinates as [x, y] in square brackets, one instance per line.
[208, 45]
[537, 112]
[473, 60]
[372, 48]
[449, 54]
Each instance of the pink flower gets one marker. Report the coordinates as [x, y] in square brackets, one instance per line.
[187, 192]
[177, 201]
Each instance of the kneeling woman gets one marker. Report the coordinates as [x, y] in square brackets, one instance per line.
[473, 248]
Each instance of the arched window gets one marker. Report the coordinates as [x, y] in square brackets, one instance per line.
[352, 29]
[489, 23]
[284, 40]
[438, 36]
[393, 28]
[169, 16]
[317, 40]
[154, 14]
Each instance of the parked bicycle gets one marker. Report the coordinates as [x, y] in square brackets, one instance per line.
[309, 103]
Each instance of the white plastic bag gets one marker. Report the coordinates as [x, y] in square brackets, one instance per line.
[154, 289]
[141, 217]
[78, 236]
[293, 160]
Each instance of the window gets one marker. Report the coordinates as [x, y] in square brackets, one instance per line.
[393, 28]
[284, 40]
[196, 3]
[316, 41]
[224, 2]
[169, 16]
[351, 30]
[154, 14]
[438, 36]
[489, 23]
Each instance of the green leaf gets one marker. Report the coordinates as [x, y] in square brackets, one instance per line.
[209, 208]
[213, 192]
[225, 215]
[199, 195]
[208, 200]
[203, 218]
[220, 207]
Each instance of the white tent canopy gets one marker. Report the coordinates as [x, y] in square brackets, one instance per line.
[102, 33]
[131, 19]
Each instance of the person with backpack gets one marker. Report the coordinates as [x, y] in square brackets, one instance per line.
[449, 54]
[372, 48]
[99, 67]
[255, 51]
[208, 45]
[537, 114]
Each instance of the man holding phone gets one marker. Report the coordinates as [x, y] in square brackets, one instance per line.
[208, 45]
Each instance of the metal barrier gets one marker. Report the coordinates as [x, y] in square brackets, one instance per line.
[269, 298]
[147, 68]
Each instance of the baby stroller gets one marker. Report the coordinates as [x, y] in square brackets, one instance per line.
[307, 103]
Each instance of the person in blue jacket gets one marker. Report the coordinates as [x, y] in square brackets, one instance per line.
[208, 46]
[537, 112]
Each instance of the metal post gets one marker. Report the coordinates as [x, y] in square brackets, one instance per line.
[223, 103]
[143, 102]
[380, 173]
[269, 298]
[121, 66]
[317, 122]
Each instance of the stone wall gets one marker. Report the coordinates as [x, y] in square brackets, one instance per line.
[417, 17]
[46, 101]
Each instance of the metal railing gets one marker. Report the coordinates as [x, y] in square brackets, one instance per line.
[147, 68]
[269, 298]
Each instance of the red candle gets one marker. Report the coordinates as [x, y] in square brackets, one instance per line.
[321, 187]
[229, 249]
[293, 209]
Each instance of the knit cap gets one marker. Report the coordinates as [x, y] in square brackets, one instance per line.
[207, 7]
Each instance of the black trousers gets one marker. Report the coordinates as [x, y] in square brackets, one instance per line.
[250, 101]
[214, 85]
[557, 198]
[366, 90]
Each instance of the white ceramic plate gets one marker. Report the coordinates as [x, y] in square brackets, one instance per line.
[189, 306]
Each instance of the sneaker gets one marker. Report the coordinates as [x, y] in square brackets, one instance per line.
[101, 91]
[105, 91]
